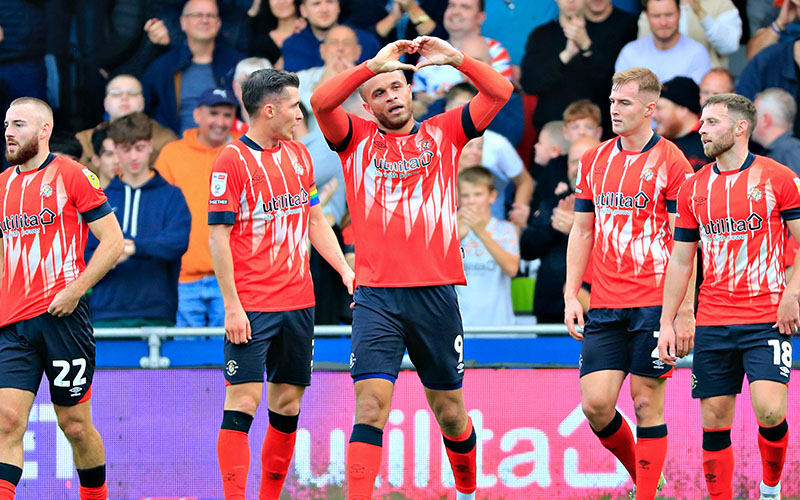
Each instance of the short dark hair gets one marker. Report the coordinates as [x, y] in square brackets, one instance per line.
[65, 143]
[263, 84]
[459, 88]
[645, 2]
[99, 134]
[739, 106]
[130, 129]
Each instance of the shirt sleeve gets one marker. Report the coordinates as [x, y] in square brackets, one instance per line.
[678, 170]
[86, 194]
[788, 193]
[724, 31]
[226, 186]
[507, 157]
[686, 226]
[583, 192]
[309, 181]
[507, 238]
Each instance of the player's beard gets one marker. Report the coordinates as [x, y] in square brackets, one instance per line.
[721, 145]
[24, 152]
[389, 122]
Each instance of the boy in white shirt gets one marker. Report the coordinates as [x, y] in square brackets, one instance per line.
[491, 252]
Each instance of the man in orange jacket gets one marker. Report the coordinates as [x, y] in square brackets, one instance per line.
[187, 164]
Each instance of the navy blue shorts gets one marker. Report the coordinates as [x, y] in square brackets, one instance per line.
[424, 320]
[724, 354]
[623, 339]
[62, 348]
[283, 343]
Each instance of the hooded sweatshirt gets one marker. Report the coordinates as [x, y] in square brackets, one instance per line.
[145, 286]
[187, 164]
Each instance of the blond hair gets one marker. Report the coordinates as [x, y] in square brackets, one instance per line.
[647, 80]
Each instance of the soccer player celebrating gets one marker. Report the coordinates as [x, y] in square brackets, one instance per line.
[401, 189]
[738, 208]
[263, 209]
[48, 204]
[624, 215]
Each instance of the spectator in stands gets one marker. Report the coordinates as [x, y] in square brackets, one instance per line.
[766, 33]
[545, 238]
[301, 50]
[272, 22]
[174, 82]
[187, 164]
[142, 288]
[549, 160]
[104, 160]
[572, 58]
[494, 152]
[340, 51]
[714, 23]
[22, 70]
[398, 19]
[716, 81]
[242, 71]
[776, 113]
[500, 14]
[65, 144]
[582, 118]
[677, 117]
[666, 52]
[462, 20]
[491, 253]
[124, 96]
[775, 66]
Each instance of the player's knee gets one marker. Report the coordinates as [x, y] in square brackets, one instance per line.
[451, 419]
[76, 430]
[598, 411]
[288, 407]
[247, 404]
[12, 422]
[371, 410]
[770, 415]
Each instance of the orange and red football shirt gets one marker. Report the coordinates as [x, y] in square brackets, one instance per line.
[738, 217]
[44, 216]
[401, 192]
[266, 195]
[631, 194]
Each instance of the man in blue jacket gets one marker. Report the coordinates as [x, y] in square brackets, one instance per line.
[142, 288]
[173, 83]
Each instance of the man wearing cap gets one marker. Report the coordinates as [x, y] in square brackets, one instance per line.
[187, 164]
[677, 117]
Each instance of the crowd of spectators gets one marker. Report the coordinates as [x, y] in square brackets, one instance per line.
[170, 72]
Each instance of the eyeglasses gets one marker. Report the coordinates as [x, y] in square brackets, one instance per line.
[201, 15]
[120, 93]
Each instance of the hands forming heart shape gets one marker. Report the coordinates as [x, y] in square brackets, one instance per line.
[435, 51]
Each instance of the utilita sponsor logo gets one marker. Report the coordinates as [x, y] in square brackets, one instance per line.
[619, 200]
[729, 225]
[24, 221]
[286, 201]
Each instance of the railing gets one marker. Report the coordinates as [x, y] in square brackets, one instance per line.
[154, 336]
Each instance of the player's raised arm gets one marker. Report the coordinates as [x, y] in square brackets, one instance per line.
[326, 101]
[494, 89]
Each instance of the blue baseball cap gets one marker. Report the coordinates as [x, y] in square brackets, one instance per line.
[216, 97]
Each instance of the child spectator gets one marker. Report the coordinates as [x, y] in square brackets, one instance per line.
[491, 252]
[142, 287]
